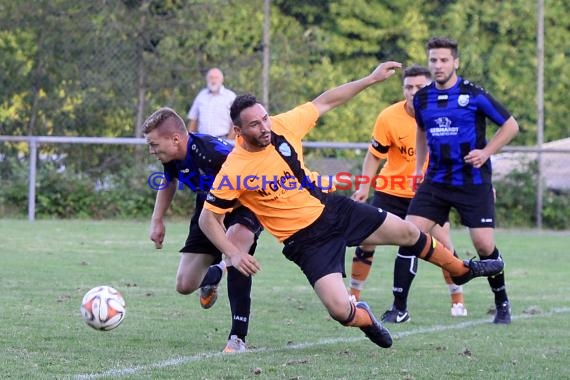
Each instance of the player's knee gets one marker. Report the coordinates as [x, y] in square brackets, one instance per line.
[183, 286]
[184, 290]
[409, 233]
[337, 311]
[484, 249]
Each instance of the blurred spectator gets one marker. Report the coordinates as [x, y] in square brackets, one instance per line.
[210, 112]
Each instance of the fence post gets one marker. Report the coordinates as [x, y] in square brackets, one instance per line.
[33, 144]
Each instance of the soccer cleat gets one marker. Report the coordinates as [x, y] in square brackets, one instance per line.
[375, 332]
[235, 344]
[503, 314]
[395, 316]
[479, 268]
[458, 310]
[208, 296]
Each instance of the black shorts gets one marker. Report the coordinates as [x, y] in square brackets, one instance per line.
[319, 249]
[197, 242]
[475, 204]
[391, 203]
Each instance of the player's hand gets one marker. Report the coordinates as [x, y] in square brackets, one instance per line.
[385, 70]
[477, 157]
[245, 263]
[360, 195]
[157, 232]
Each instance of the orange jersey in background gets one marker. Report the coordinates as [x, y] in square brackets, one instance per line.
[395, 130]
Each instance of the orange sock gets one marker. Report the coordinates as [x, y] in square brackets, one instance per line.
[457, 298]
[361, 266]
[358, 317]
[437, 254]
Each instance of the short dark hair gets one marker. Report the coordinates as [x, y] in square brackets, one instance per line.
[240, 103]
[444, 43]
[159, 116]
[416, 71]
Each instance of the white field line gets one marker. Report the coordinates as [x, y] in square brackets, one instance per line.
[181, 360]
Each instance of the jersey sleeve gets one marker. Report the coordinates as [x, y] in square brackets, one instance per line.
[380, 142]
[298, 121]
[493, 109]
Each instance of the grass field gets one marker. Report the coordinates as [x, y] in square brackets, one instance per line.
[47, 266]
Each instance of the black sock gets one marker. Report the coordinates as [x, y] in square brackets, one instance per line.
[416, 249]
[239, 295]
[213, 276]
[497, 282]
[405, 268]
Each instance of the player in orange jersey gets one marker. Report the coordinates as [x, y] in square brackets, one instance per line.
[266, 173]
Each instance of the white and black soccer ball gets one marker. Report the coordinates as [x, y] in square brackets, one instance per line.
[103, 308]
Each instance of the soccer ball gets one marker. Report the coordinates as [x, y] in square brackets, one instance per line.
[103, 308]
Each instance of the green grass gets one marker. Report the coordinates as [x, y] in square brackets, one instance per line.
[47, 266]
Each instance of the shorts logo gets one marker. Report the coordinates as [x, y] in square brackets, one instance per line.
[463, 100]
[210, 198]
[285, 149]
[486, 220]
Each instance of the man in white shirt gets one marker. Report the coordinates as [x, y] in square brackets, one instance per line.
[210, 112]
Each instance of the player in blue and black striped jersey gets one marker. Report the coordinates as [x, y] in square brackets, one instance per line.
[192, 161]
[451, 116]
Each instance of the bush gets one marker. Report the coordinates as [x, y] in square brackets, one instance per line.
[64, 193]
[124, 193]
[516, 201]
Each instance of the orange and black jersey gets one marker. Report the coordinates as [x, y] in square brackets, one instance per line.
[273, 183]
[394, 139]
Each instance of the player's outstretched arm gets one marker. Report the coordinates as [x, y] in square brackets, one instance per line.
[212, 225]
[343, 93]
[161, 204]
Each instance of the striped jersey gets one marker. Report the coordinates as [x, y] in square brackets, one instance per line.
[454, 121]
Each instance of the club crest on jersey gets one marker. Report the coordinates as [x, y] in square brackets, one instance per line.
[285, 149]
[463, 100]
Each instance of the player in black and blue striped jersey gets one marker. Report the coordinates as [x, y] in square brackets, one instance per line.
[451, 115]
[192, 161]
